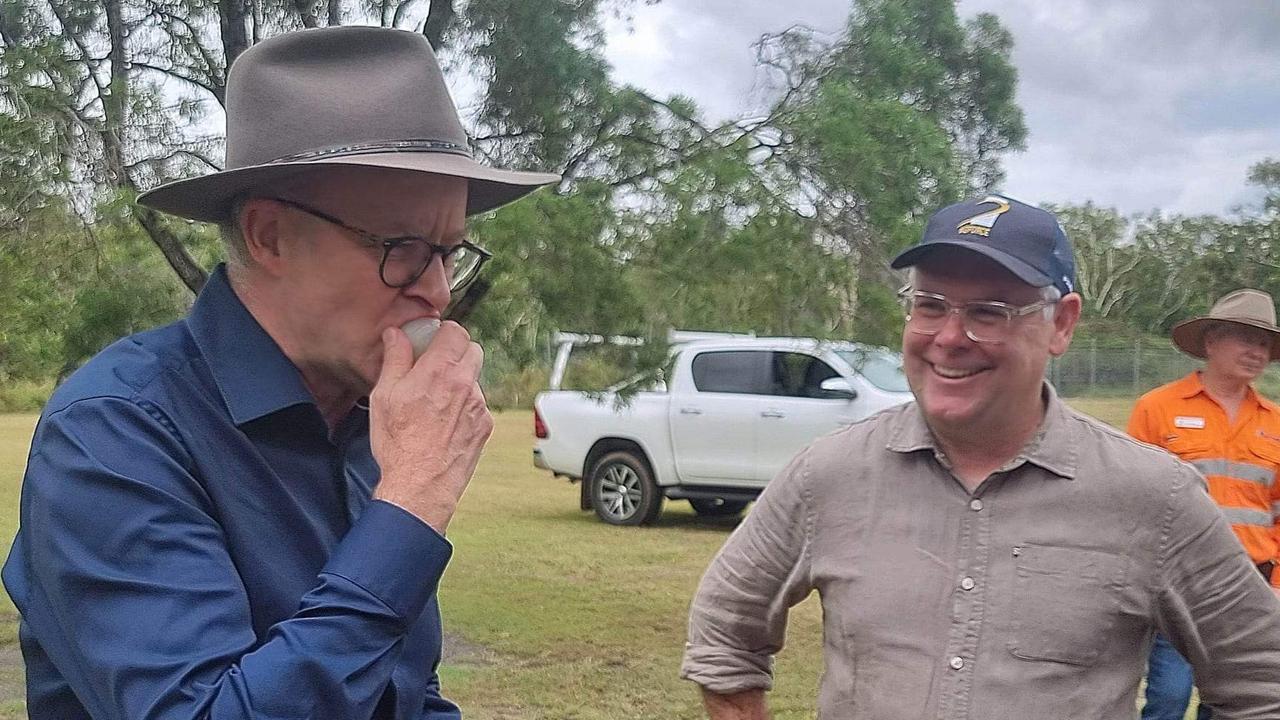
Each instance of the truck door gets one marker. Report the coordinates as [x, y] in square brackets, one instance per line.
[713, 426]
[799, 411]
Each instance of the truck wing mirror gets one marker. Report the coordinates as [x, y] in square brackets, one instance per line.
[838, 388]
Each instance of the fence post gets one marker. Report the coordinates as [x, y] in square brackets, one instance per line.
[1137, 364]
[1093, 364]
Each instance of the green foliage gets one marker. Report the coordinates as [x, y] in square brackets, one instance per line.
[555, 266]
[42, 259]
[780, 224]
[66, 291]
[24, 395]
[895, 160]
[544, 67]
[1266, 175]
[1148, 273]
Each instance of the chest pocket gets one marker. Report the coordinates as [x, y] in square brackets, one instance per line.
[1065, 603]
[1188, 444]
[1266, 450]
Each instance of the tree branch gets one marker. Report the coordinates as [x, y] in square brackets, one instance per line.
[207, 161]
[570, 169]
[192, 275]
[216, 92]
[211, 66]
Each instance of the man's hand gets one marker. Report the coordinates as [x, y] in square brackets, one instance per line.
[428, 422]
[746, 705]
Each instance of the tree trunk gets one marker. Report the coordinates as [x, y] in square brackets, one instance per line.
[115, 118]
[192, 275]
[438, 18]
[232, 17]
[115, 102]
[306, 11]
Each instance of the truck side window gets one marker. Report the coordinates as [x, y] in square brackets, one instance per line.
[800, 375]
[733, 371]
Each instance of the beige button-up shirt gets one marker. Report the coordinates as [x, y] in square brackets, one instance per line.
[1035, 596]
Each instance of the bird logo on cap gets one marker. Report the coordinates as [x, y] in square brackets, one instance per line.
[981, 223]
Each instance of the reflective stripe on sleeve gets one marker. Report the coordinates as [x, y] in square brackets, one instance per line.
[1247, 516]
[1239, 470]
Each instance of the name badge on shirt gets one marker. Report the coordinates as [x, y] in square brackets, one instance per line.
[1188, 421]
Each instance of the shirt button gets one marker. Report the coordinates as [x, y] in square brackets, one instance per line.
[975, 504]
[957, 662]
[967, 583]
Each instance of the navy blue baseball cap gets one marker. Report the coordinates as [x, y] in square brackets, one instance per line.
[1025, 240]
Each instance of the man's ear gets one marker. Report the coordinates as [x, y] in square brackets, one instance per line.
[260, 226]
[1065, 317]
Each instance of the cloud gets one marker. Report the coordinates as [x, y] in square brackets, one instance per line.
[703, 48]
[1130, 104]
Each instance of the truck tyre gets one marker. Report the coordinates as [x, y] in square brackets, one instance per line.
[717, 507]
[623, 491]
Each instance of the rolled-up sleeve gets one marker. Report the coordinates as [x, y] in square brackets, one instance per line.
[125, 579]
[738, 618]
[1216, 609]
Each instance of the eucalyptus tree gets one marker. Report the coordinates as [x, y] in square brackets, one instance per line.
[781, 222]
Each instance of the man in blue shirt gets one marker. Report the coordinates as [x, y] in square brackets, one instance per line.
[242, 515]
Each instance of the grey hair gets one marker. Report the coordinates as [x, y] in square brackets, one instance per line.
[1050, 295]
[233, 241]
[238, 258]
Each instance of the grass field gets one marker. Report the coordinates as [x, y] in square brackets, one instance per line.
[550, 614]
[15, 440]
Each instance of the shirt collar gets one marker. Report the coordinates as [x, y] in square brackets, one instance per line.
[251, 372]
[1192, 385]
[1189, 386]
[1053, 447]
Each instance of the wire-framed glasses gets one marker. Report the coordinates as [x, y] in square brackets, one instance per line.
[984, 321]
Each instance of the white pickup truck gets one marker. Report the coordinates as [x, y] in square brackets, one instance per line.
[729, 414]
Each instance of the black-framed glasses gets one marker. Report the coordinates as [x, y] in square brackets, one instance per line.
[984, 321]
[405, 258]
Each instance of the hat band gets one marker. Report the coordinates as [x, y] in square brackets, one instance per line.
[441, 146]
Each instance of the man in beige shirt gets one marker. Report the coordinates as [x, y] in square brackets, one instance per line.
[986, 552]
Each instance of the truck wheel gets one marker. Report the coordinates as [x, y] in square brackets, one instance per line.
[623, 491]
[717, 507]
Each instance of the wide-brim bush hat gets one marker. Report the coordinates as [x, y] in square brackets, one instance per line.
[337, 97]
[1253, 308]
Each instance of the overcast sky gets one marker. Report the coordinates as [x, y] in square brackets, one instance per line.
[1132, 104]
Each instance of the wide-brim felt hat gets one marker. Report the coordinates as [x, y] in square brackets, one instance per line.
[339, 97]
[1253, 308]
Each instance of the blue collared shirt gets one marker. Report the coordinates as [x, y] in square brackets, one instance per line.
[195, 543]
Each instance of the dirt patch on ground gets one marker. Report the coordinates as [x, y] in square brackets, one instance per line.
[13, 686]
[460, 652]
[12, 678]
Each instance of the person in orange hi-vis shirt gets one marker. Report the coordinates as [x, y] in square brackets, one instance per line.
[1215, 420]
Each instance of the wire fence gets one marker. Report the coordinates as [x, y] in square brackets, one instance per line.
[1092, 367]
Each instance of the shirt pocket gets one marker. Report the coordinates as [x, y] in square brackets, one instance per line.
[1065, 603]
[1268, 453]
[1187, 446]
